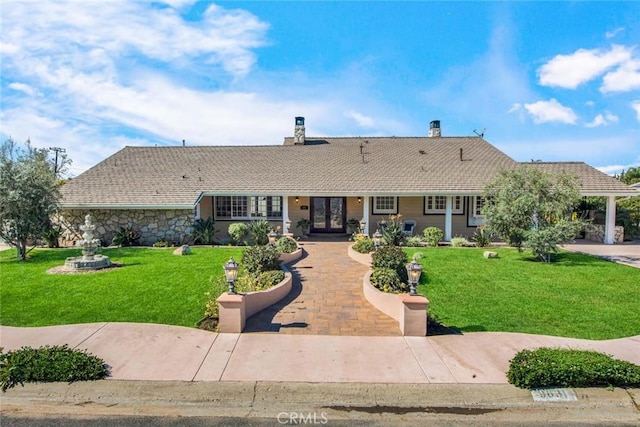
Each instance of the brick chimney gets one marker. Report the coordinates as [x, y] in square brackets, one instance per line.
[298, 132]
[434, 129]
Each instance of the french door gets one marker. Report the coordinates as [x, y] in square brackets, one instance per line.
[328, 214]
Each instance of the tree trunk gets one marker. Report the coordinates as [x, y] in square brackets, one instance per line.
[21, 248]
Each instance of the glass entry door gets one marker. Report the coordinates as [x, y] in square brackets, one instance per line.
[328, 214]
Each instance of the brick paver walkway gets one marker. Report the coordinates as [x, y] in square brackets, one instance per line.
[326, 298]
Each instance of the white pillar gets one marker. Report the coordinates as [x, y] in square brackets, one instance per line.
[610, 221]
[365, 214]
[285, 214]
[447, 218]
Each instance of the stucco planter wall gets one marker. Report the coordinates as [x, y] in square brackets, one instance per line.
[293, 256]
[234, 310]
[410, 311]
[357, 256]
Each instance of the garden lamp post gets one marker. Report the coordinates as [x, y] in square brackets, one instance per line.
[231, 274]
[413, 271]
[272, 237]
[363, 224]
[287, 224]
[377, 237]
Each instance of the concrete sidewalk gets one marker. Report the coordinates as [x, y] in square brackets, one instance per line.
[161, 352]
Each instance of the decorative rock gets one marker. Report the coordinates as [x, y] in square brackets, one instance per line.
[182, 250]
[489, 254]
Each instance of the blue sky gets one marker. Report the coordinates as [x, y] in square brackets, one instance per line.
[551, 81]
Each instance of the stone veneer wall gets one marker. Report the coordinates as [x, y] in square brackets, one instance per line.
[173, 225]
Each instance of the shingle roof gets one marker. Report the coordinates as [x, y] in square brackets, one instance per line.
[177, 176]
[592, 180]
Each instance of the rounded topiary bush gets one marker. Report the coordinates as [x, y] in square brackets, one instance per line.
[432, 235]
[554, 367]
[286, 245]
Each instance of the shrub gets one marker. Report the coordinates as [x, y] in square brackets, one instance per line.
[303, 224]
[459, 242]
[482, 237]
[549, 367]
[268, 279]
[257, 259]
[413, 241]
[49, 364]
[286, 245]
[238, 231]
[203, 231]
[387, 280]
[432, 235]
[126, 237]
[363, 244]
[161, 244]
[259, 231]
[392, 233]
[52, 235]
[391, 257]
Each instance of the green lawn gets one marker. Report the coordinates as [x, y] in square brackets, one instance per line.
[577, 296]
[153, 286]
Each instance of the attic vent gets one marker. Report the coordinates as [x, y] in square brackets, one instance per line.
[434, 129]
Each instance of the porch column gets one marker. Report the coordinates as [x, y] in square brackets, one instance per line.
[447, 218]
[285, 214]
[365, 214]
[610, 221]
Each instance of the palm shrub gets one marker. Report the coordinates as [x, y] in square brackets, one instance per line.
[52, 235]
[432, 235]
[258, 259]
[482, 237]
[259, 231]
[204, 231]
[238, 231]
[392, 234]
[126, 236]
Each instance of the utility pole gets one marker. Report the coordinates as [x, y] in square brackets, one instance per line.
[57, 150]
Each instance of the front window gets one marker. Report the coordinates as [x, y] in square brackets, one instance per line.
[248, 207]
[477, 205]
[385, 205]
[438, 204]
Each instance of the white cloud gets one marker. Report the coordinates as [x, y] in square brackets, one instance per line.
[636, 106]
[551, 111]
[21, 87]
[361, 119]
[570, 71]
[623, 79]
[602, 120]
[613, 33]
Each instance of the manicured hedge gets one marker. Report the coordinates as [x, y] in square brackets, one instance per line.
[49, 364]
[554, 367]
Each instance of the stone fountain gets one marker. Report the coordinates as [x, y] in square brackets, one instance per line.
[89, 260]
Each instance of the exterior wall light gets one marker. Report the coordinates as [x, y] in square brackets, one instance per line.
[359, 200]
[231, 274]
[377, 237]
[297, 200]
[413, 271]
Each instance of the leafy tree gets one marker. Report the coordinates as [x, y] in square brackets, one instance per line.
[529, 207]
[630, 176]
[29, 193]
